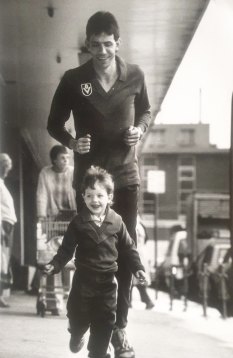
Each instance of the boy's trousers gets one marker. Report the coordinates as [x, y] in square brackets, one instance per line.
[92, 303]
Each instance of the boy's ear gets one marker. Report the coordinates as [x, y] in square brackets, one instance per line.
[110, 198]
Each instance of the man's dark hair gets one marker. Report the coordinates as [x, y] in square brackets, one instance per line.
[97, 175]
[56, 150]
[102, 21]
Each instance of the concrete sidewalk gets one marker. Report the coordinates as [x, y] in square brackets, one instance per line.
[26, 335]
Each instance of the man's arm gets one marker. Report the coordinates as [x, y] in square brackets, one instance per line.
[142, 107]
[142, 115]
[60, 112]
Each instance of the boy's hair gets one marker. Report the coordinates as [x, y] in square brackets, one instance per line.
[56, 150]
[97, 174]
[102, 21]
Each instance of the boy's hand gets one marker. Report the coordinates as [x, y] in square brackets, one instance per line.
[48, 269]
[132, 136]
[141, 276]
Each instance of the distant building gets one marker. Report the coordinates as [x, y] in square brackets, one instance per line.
[189, 161]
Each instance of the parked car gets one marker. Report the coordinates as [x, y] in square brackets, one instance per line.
[210, 258]
[225, 272]
[173, 263]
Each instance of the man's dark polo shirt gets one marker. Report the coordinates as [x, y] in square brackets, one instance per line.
[103, 115]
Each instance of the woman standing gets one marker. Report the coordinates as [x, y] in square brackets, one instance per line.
[7, 220]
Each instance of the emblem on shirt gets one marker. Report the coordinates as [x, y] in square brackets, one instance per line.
[86, 89]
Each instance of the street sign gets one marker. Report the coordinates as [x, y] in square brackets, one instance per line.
[156, 181]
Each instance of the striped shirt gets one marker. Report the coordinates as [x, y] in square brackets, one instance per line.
[55, 192]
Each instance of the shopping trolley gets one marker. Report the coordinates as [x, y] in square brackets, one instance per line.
[49, 237]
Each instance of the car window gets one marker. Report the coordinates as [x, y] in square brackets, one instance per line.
[227, 257]
[221, 254]
[183, 247]
[208, 255]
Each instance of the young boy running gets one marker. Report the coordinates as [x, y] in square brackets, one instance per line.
[98, 236]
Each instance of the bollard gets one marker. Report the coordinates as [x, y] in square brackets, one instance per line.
[205, 279]
[156, 282]
[186, 285]
[172, 285]
[223, 290]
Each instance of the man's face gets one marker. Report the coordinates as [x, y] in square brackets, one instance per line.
[103, 48]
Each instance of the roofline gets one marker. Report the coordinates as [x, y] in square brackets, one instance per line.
[211, 195]
[158, 150]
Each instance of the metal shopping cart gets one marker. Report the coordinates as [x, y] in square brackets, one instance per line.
[51, 292]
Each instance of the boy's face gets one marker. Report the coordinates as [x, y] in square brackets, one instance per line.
[103, 48]
[61, 162]
[97, 199]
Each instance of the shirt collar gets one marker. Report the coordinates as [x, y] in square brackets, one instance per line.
[121, 65]
[98, 219]
[87, 217]
[122, 68]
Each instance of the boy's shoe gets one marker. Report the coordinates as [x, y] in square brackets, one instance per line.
[76, 343]
[121, 344]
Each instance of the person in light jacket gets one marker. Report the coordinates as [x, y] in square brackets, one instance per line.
[8, 220]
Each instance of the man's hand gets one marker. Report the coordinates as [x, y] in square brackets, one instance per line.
[132, 136]
[81, 145]
[48, 269]
[141, 276]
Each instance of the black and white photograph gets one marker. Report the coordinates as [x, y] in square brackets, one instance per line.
[116, 178]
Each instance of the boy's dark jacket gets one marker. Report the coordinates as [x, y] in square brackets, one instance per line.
[97, 248]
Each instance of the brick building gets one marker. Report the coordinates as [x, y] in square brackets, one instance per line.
[189, 161]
